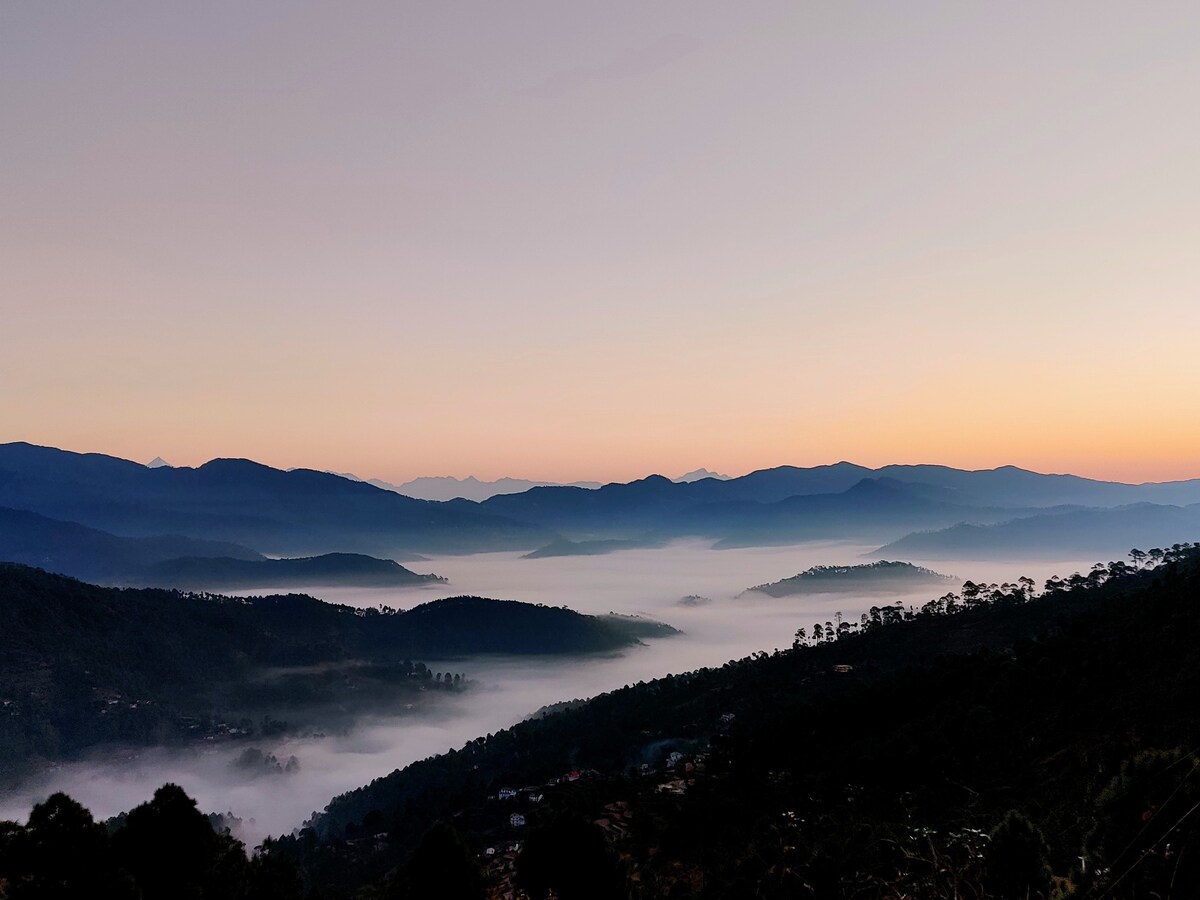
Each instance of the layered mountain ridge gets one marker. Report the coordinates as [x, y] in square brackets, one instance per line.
[306, 513]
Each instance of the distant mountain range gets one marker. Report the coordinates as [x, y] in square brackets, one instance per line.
[1073, 533]
[469, 488]
[304, 513]
[1006, 487]
[296, 513]
[841, 501]
[655, 509]
[699, 474]
[72, 549]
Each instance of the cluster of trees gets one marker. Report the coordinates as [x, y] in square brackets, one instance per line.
[880, 576]
[162, 850]
[975, 595]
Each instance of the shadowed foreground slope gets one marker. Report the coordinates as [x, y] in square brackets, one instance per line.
[972, 748]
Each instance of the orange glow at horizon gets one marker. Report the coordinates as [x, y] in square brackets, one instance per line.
[595, 247]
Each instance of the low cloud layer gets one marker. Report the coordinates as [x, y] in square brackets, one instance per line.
[505, 690]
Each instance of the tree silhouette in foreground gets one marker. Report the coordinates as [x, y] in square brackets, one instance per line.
[570, 859]
[442, 866]
[62, 852]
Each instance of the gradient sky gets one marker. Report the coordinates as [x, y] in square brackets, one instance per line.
[567, 240]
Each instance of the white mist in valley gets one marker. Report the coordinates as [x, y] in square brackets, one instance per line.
[504, 690]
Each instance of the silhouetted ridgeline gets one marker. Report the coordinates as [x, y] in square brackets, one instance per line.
[295, 513]
[303, 512]
[878, 577]
[469, 488]
[84, 664]
[81, 552]
[655, 509]
[972, 747]
[71, 549]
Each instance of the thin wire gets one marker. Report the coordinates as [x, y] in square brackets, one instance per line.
[1146, 853]
[1178, 788]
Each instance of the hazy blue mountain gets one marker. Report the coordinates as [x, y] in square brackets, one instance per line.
[157, 463]
[655, 509]
[301, 512]
[781, 482]
[72, 549]
[610, 511]
[873, 506]
[786, 504]
[1065, 535]
[656, 502]
[878, 577]
[563, 547]
[1011, 486]
[442, 488]
[305, 513]
[470, 488]
[699, 474]
[68, 548]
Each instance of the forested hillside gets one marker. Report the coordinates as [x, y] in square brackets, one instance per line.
[977, 746]
[84, 664]
[998, 742]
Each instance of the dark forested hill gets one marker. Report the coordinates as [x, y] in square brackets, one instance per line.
[287, 513]
[71, 549]
[70, 648]
[975, 747]
[329, 569]
[879, 577]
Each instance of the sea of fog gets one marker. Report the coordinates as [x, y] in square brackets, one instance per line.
[504, 689]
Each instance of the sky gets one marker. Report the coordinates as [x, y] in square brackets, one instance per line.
[593, 241]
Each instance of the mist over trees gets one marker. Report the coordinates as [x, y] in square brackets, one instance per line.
[161, 850]
[1001, 741]
[86, 665]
